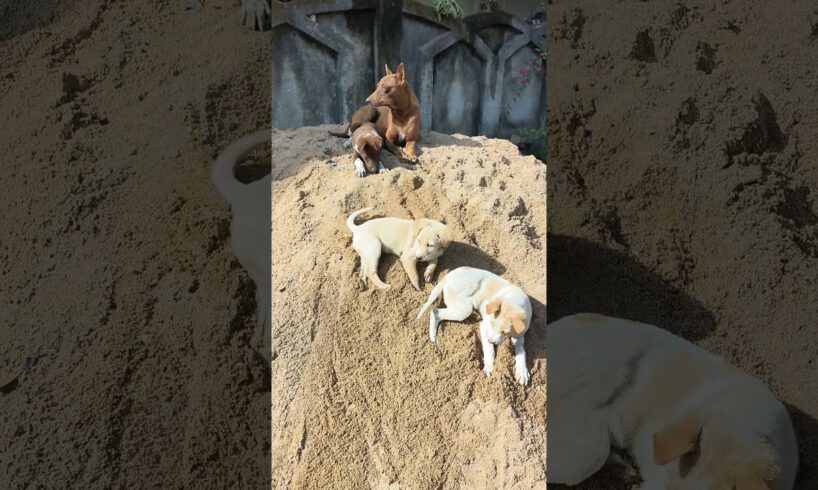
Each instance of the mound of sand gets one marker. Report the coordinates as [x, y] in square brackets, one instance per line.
[360, 393]
[682, 173]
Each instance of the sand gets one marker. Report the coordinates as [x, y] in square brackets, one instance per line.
[361, 396]
[126, 325]
[682, 174]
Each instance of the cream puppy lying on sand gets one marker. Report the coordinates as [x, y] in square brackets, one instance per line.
[689, 420]
[414, 241]
[505, 310]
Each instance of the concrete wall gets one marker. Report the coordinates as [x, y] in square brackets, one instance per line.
[520, 8]
[328, 54]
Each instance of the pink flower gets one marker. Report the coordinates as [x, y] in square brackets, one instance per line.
[524, 71]
[539, 68]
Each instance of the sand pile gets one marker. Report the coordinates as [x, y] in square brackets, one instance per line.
[361, 395]
[682, 175]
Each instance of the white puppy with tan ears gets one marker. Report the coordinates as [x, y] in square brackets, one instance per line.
[689, 420]
[421, 240]
[505, 310]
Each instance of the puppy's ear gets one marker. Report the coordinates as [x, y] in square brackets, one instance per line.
[445, 235]
[677, 439]
[400, 72]
[417, 227]
[493, 307]
[518, 324]
[388, 71]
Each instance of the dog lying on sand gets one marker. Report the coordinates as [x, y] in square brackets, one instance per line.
[688, 420]
[367, 144]
[505, 310]
[378, 116]
[374, 117]
[421, 240]
[403, 124]
[250, 227]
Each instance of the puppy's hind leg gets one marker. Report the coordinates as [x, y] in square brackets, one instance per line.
[456, 313]
[369, 249]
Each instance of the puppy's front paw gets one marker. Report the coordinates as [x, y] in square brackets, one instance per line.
[360, 170]
[427, 276]
[381, 168]
[487, 368]
[522, 376]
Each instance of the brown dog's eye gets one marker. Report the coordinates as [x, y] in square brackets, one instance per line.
[387, 90]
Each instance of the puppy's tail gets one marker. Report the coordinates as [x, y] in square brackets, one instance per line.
[224, 164]
[432, 298]
[351, 220]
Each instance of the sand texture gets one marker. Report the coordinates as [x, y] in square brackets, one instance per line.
[126, 325]
[683, 143]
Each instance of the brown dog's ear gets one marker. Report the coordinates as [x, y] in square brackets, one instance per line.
[677, 439]
[400, 72]
[386, 67]
[493, 307]
[518, 324]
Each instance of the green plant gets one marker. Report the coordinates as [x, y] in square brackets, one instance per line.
[447, 8]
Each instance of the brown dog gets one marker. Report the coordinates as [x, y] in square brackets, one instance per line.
[367, 144]
[403, 123]
[378, 116]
